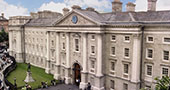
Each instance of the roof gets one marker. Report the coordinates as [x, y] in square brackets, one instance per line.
[3, 18]
[112, 18]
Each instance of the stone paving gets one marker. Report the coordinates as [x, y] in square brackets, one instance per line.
[62, 87]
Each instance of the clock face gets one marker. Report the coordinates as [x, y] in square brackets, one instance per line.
[74, 19]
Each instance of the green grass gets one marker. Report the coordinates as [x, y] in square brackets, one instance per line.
[38, 75]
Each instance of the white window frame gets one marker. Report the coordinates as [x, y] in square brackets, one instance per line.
[92, 36]
[146, 70]
[147, 54]
[112, 38]
[128, 52]
[94, 49]
[112, 51]
[147, 40]
[162, 70]
[163, 40]
[75, 45]
[163, 56]
[124, 69]
[111, 66]
[125, 38]
[113, 85]
[91, 68]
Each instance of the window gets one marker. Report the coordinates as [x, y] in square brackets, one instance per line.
[165, 71]
[77, 44]
[113, 38]
[126, 68]
[92, 49]
[149, 39]
[149, 53]
[166, 55]
[92, 37]
[112, 84]
[113, 66]
[112, 50]
[149, 70]
[63, 46]
[127, 38]
[63, 35]
[126, 52]
[92, 64]
[125, 86]
[167, 40]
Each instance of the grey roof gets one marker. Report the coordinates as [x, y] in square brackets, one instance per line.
[44, 21]
[112, 18]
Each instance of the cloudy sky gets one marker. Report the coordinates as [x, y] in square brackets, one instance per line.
[24, 7]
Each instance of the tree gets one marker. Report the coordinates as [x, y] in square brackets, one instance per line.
[163, 83]
[3, 35]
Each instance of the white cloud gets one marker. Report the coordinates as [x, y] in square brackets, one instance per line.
[141, 5]
[12, 10]
[100, 5]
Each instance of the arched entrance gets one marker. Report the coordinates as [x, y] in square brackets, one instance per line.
[77, 74]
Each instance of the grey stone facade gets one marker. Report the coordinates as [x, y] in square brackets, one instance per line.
[113, 51]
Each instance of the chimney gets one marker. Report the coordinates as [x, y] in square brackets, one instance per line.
[116, 6]
[152, 5]
[65, 11]
[76, 7]
[2, 14]
[90, 9]
[130, 7]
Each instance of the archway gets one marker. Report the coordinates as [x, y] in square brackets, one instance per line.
[77, 74]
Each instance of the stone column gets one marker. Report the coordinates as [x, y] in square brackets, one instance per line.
[84, 72]
[47, 70]
[57, 74]
[136, 59]
[67, 73]
[10, 43]
[99, 81]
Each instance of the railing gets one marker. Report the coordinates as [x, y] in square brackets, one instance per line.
[9, 69]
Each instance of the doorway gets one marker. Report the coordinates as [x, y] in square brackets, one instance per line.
[77, 74]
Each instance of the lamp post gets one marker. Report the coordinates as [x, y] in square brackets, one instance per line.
[15, 81]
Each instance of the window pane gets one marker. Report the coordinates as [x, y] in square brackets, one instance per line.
[127, 38]
[76, 44]
[166, 55]
[112, 66]
[125, 86]
[113, 37]
[112, 84]
[150, 38]
[126, 52]
[165, 71]
[113, 50]
[92, 49]
[167, 40]
[150, 51]
[149, 70]
[126, 68]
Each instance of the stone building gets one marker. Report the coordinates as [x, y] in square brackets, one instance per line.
[3, 22]
[113, 51]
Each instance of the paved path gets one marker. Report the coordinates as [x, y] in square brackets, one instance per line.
[62, 87]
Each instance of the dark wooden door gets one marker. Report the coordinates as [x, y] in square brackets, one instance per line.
[77, 73]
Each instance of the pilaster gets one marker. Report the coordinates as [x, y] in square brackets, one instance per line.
[47, 70]
[57, 74]
[136, 59]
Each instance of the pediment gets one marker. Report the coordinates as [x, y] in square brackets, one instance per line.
[78, 20]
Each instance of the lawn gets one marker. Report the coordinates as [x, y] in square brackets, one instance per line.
[38, 75]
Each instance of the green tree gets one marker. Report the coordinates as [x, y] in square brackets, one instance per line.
[3, 35]
[162, 83]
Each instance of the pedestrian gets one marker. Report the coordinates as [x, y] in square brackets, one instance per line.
[88, 86]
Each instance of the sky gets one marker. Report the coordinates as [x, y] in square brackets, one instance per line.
[24, 7]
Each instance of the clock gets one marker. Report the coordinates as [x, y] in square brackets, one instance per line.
[74, 19]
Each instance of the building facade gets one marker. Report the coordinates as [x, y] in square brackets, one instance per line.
[113, 51]
[3, 22]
